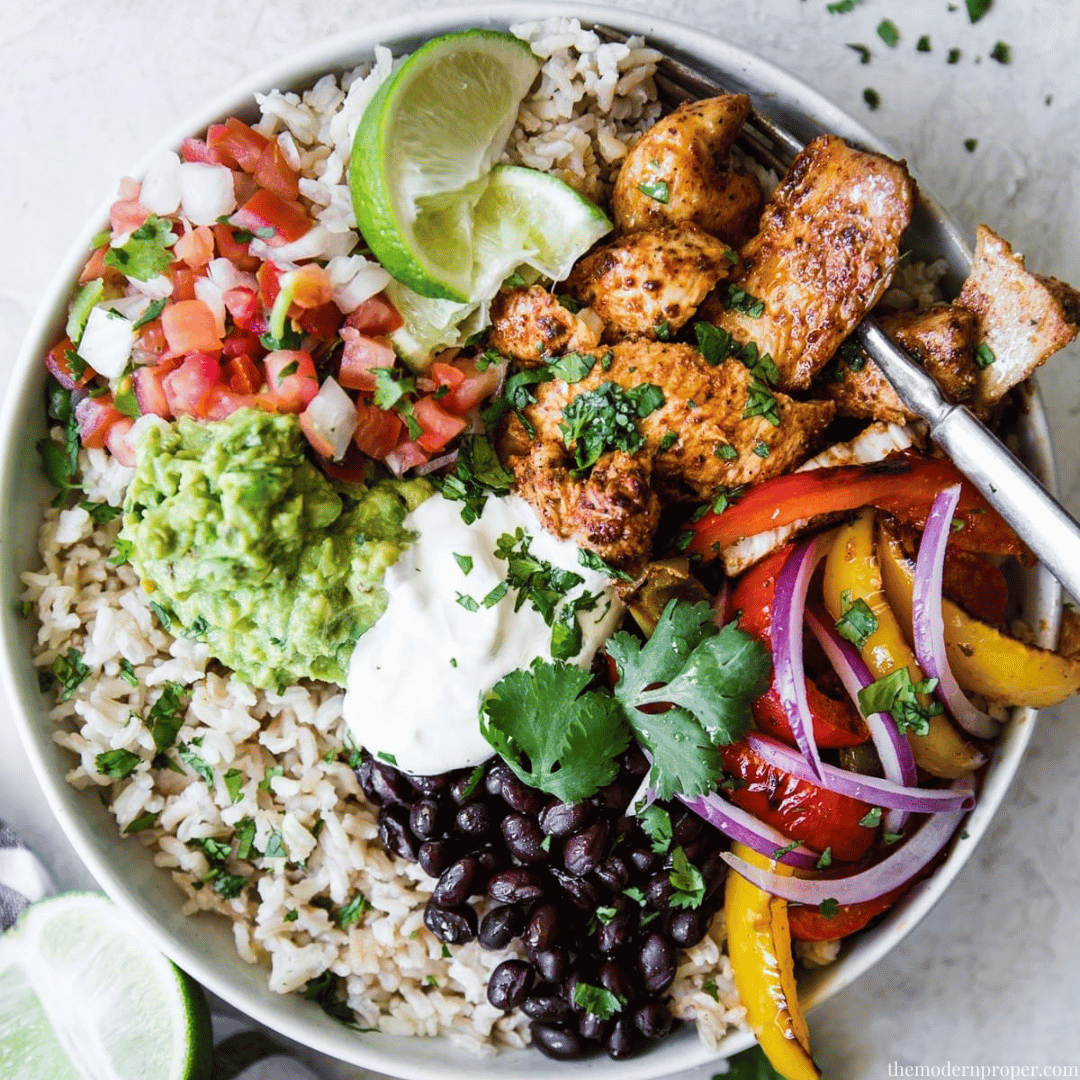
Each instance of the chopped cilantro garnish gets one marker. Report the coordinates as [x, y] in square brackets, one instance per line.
[152, 311]
[390, 759]
[863, 52]
[465, 562]
[686, 880]
[971, 145]
[164, 617]
[601, 1003]
[196, 763]
[984, 355]
[896, 694]
[477, 474]
[779, 853]
[725, 451]
[663, 331]
[604, 914]
[714, 344]
[841, 7]
[275, 846]
[872, 818]
[976, 9]
[668, 441]
[272, 774]
[872, 98]
[326, 990]
[710, 988]
[146, 253]
[655, 189]
[761, 449]
[61, 463]
[466, 601]
[473, 782]
[592, 561]
[101, 513]
[567, 302]
[515, 281]
[571, 367]
[656, 822]
[829, 908]
[826, 859]
[165, 717]
[143, 821]
[353, 911]
[122, 551]
[923, 44]
[245, 837]
[892, 837]
[116, 764]
[389, 390]
[234, 781]
[291, 915]
[954, 56]
[888, 32]
[738, 299]
[68, 672]
[857, 622]
[598, 421]
[724, 498]
[1001, 53]
[760, 401]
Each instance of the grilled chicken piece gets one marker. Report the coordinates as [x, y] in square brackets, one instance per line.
[943, 338]
[827, 250]
[678, 160]
[529, 323]
[1023, 317]
[651, 278]
[714, 446]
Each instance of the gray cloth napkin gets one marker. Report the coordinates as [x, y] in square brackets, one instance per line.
[241, 1051]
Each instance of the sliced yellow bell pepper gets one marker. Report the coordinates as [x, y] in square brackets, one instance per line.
[852, 567]
[983, 660]
[759, 946]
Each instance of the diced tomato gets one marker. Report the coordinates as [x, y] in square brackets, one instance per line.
[812, 815]
[243, 375]
[236, 144]
[95, 416]
[322, 322]
[808, 924]
[127, 214]
[230, 248]
[439, 425]
[836, 723]
[95, 265]
[351, 469]
[190, 326]
[244, 186]
[311, 286]
[221, 401]
[150, 345]
[406, 456]
[118, 443]
[245, 308]
[195, 247]
[56, 360]
[274, 172]
[242, 343]
[377, 430]
[183, 283]
[269, 278]
[265, 210]
[150, 389]
[187, 388]
[446, 375]
[375, 317]
[291, 392]
[360, 356]
[197, 150]
[476, 386]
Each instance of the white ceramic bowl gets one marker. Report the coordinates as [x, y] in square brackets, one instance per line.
[204, 946]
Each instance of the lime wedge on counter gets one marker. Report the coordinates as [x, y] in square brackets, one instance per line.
[82, 993]
[424, 149]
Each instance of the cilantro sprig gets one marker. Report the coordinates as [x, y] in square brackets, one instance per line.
[605, 419]
[477, 474]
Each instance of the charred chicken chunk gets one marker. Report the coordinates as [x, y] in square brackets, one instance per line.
[651, 281]
[528, 324]
[827, 250]
[1023, 317]
[672, 174]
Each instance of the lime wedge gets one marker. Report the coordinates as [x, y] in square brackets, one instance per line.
[423, 151]
[84, 994]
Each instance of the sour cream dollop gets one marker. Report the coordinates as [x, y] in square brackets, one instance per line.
[417, 676]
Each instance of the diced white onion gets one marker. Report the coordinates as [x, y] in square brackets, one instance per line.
[333, 414]
[131, 307]
[206, 191]
[209, 292]
[157, 288]
[106, 342]
[160, 192]
[355, 279]
[225, 274]
[317, 243]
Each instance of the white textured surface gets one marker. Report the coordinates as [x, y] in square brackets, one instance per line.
[992, 976]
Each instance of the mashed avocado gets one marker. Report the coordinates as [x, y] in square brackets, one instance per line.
[244, 544]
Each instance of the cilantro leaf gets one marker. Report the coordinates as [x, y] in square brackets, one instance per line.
[353, 911]
[234, 782]
[976, 9]
[750, 1064]
[655, 189]
[477, 474]
[601, 1003]
[146, 253]
[116, 764]
[389, 390]
[196, 763]
[687, 881]
[896, 694]
[684, 758]
[656, 822]
[606, 419]
[68, 671]
[888, 32]
[591, 561]
[572, 367]
[165, 718]
[554, 734]
[857, 622]
[679, 631]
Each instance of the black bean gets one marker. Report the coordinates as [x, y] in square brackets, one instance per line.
[615, 934]
[635, 763]
[585, 849]
[523, 838]
[500, 926]
[462, 788]
[493, 781]
[509, 983]
[620, 1041]
[617, 796]
[516, 886]
[394, 832]
[687, 829]
[548, 1006]
[436, 855]
[696, 848]
[474, 820]
[614, 977]
[653, 1019]
[382, 784]
[643, 860]
[424, 819]
[613, 873]
[687, 928]
[656, 962]
[455, 926]
[561, 819]
[591, 1027]
[551, 964]
[581, 893]
[714, 871]
[555, 1042]
[429, 785]
[570, 990]
[491, 861]
[456, 883]
[543, 928]
[659, 891]
[521, 797]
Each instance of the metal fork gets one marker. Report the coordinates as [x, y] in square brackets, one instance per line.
[1038, 518]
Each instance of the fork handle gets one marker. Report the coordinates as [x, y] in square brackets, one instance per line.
[1038, 518]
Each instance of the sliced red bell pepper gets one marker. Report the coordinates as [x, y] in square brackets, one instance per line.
[808, 924]
[903, 485]
[812, 815]
[836, 723]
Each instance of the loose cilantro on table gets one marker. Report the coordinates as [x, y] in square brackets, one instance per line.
[477, 474]
[857, 622]
[687, 881]
[872, 98]
[146, 253]
[863, 52]
[895, 693]
[888, 31]
[976, 9]
[598, 421]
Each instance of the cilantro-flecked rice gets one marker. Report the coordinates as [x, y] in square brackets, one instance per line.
[249, 771]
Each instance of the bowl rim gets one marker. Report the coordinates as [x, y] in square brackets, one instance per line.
[813, 113]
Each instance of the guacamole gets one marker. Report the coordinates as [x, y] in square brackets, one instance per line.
[244, 544]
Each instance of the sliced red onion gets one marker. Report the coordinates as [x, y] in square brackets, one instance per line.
[928, 622]
[789, 607]
[902, 865]
[893, 748]
[869, 789]
[743, 827]
[436, 463]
